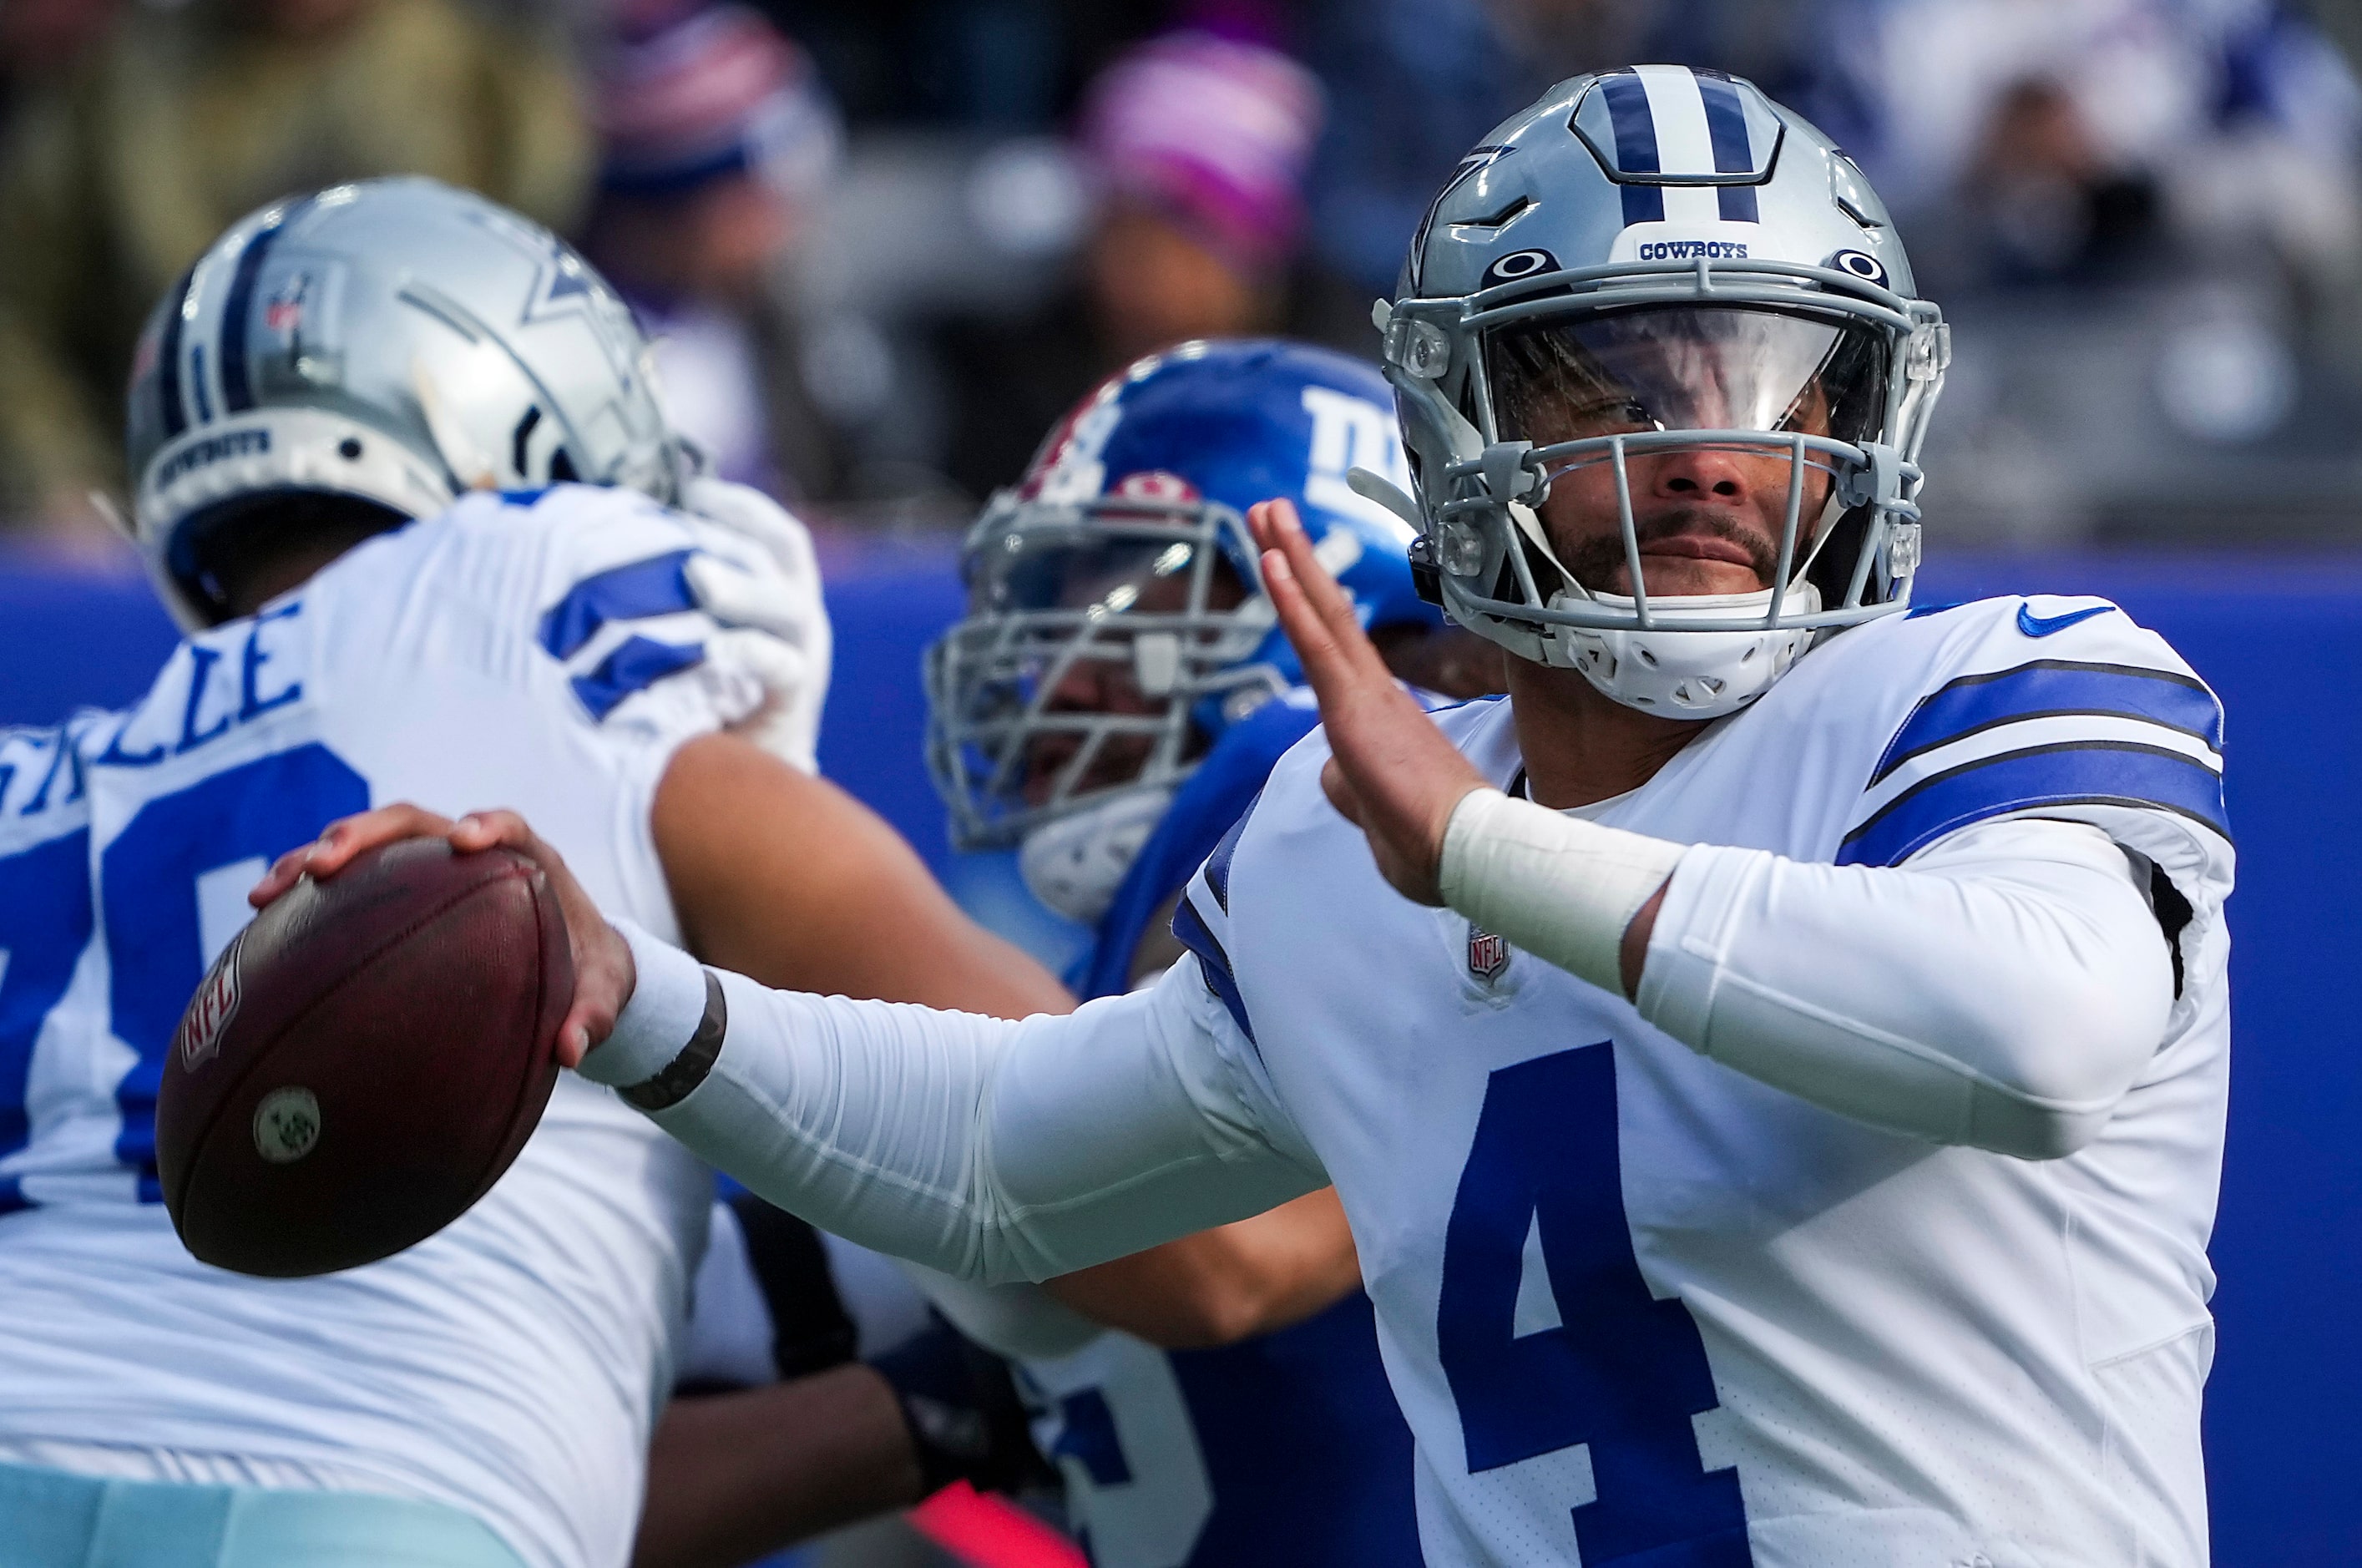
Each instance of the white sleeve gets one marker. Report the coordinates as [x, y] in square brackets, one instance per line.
[982, 1148]
[2001, 989]
[1019, 1319]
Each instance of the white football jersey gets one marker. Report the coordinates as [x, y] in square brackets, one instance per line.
[1633, 1302]
[540, 652]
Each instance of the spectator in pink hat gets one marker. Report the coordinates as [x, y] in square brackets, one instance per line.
[1197, 145]
[1200, 145]
[718, 143]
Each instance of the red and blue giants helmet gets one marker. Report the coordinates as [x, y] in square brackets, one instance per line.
[1117, 621]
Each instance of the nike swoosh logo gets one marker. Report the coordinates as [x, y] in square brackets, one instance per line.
[2034, 625]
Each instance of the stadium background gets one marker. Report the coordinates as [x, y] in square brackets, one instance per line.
[2143, 216]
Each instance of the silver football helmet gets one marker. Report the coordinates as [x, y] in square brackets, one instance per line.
[397, 342]
[1652, 259]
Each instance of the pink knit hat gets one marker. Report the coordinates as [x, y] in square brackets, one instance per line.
[1214, 132]
[686, 94]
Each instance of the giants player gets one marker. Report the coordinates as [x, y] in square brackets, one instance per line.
[1117, 695]
[1773, 1062]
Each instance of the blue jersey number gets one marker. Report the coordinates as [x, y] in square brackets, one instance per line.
[45, 924]
[1623, 1372]
[150, 874]
[154, 942]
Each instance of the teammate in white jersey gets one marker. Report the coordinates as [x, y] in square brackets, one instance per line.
[324, 373]
[1773, 1062]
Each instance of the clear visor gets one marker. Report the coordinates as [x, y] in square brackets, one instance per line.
[1092, 635]
[1687, 367]
[1146, 572]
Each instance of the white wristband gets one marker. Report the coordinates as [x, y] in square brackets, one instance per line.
[667, 1006]
[1562, 888]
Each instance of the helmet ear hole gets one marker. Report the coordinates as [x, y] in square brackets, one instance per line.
[561, 469]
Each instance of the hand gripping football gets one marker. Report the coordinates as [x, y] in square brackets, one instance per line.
[364, 1061]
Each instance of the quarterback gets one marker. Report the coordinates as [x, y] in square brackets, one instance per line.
[1773, 1062]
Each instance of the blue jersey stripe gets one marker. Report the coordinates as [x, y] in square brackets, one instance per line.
[657, 586]
[1217, 865]
[2053, 688]
[2116, 773]
[1212, 962]
[238, 387]
[636, 664]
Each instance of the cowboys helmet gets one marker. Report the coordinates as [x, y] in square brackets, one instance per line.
[1116, 623]
[1650, 260]
[393, 343]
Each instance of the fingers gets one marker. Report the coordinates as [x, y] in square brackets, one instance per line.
[342, 840]
[1289, 577]
[604, 979]
[1279, 529]
[575, 1036]
[1339, 790]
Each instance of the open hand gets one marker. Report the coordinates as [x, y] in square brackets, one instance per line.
[1390, 772]
[603, 971]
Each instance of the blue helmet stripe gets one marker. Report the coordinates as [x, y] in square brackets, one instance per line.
[168, 360]
[1725, 124]
[238, 390]
[1636, 144]
[198, 384]
[1726, 127]
[2112, 773]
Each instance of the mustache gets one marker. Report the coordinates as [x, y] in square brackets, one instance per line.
[1600, 564]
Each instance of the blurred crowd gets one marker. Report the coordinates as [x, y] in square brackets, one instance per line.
[884, 246]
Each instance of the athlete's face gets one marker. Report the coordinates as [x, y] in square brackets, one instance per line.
[1112, 685]
[1707, 519]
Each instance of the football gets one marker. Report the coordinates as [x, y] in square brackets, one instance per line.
[364, 1060]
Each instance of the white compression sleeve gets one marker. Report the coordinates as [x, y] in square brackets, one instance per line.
[2002, 989]
[979, 1147]
[1561, 888]
[1017, 1320]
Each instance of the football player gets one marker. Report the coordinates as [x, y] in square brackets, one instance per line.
[1773, 1062]
[333, 368]
[1117, 695]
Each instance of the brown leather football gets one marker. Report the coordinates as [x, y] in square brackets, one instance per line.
[364, 1061]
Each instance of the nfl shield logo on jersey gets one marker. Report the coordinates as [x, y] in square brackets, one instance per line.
[1488, 953]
